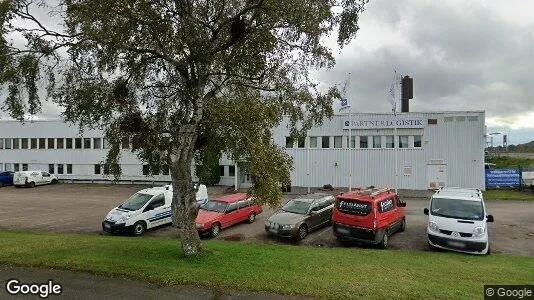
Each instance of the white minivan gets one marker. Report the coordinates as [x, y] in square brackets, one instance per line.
[145, 209]
[33, 178]
[457, 221]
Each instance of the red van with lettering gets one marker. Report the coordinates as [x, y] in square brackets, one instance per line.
[368, 216]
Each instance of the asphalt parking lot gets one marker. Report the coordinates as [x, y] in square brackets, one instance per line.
[81, 208]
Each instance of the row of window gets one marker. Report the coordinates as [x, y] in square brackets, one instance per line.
[59, 143]
[363, 141]
[231, 171]
[52, 168]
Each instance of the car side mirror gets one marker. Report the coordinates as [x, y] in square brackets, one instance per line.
[425, 211]
[402, 204]
[489, 218]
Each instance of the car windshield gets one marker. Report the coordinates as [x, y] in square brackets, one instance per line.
[214, 205]
[136, 201]
[457, 209]
[297, 207]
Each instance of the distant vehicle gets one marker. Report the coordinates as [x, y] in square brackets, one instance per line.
[145, 209]
[33, 178]
[225, 211]
[457, 221]
[301, 215]
[6, 178]
[368, 216]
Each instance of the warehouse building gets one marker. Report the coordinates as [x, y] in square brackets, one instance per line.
[409, 151]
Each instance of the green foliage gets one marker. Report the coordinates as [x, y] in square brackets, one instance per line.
[510, 162]
[182, 76]
[207, 167]
[508, 195]
[334, 273]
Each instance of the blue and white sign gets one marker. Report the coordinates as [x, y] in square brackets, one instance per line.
[344, 104]
[496, 178]
[391, 122]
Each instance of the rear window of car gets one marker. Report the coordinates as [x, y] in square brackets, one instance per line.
[353, 207]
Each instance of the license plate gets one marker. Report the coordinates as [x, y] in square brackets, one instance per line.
[343, 230]
[107, 226]
[456, 244]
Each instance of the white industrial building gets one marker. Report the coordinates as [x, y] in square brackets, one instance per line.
[410, 150]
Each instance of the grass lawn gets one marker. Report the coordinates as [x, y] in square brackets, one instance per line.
[508, 195]
[510, 162]
[323, 272]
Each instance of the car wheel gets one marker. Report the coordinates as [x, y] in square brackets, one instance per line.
[303, 232]
[32, 184]
[385, 241]
[251, 217]
[215, 229]
[403, 225]
[1, 184]
[139, 228]
[54, 181]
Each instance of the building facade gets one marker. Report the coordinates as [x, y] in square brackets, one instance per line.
[409, 151]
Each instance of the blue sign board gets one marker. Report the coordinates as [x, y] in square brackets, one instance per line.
[496, 178]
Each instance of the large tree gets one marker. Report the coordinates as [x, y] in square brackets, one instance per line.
[179, 77]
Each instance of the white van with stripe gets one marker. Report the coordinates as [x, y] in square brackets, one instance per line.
[145, 209]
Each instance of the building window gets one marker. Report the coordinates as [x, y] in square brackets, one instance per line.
[42, 143]
[16, 167]
[377, 141]
[33, 143]
[51, 144]
[86, 143]
[24, 167]
[51, 168]
[146, 170]
[403, 141]
[390, 141]
[69, 169]
[60, 169]
[289, 142]
[352, 140]
[301, 142]
[16, 144]
[8, 144]
[97, 169]
[68, 143]
[325, 142]
[433, 121]
[59, 143]
[338, 141]
[313, 142]
[7, 167]
[417, 141]
[2, 143]
[25, 144]
[78, 143]
[221, 170]
[231, 170]
[97, 143]
[125, 143]
[364, 142]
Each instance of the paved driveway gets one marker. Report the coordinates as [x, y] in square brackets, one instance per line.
[81, 208]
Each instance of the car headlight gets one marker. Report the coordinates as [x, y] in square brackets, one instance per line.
[433, 226]
[479, 232]
[123, 218]
[287, 226]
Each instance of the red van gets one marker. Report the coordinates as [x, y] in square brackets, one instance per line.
[225, 211]
[368, 216]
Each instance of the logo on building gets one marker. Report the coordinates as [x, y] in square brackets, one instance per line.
[384, 123]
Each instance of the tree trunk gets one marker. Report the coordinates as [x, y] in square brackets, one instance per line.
[184, 203]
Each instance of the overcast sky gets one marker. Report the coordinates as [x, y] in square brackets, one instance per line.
[463, 55]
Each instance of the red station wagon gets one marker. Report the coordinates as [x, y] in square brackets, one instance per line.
[225, 211]
[368, 216]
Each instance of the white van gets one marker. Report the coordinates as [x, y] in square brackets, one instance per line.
[457, 221]
[32, 178]
[145, 209]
